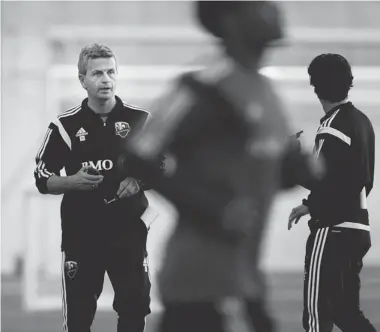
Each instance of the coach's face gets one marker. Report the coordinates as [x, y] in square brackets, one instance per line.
[100, 78]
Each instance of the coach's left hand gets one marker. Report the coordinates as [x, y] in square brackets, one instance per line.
[128, 188]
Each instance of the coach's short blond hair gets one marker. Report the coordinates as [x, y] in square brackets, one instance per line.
[93, 51]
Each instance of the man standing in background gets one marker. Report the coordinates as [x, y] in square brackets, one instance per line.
[340, 231]
[224, 132]
[101, 209]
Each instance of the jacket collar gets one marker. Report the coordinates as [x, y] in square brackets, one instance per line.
[333, 110]
[114, 112]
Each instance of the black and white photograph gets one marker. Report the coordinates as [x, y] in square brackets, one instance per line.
[190, 166]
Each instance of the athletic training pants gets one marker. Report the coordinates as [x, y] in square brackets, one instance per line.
[331, 284]
[82, 283]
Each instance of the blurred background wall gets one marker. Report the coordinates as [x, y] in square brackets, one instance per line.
[153, 40]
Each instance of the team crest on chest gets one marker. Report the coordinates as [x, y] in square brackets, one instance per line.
[122, 129]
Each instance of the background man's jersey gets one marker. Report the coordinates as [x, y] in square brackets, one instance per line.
[227, 134]
[346, 140]
[77, 138]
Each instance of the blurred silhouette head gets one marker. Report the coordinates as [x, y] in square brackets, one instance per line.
[331, 76]
[97, 71]
[250, 23]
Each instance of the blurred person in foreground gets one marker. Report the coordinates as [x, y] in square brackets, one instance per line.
[225, 138]
[339, 224]
[102, 209]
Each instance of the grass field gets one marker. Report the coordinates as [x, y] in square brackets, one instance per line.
[285, 295]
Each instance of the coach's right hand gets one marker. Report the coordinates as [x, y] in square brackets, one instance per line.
[84, 181]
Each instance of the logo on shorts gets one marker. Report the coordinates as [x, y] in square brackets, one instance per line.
[71, 269]
[122, 129]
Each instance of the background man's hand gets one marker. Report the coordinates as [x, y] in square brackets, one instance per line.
[296, 214]
[295, 142]
[82, 180]
[128, 187]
